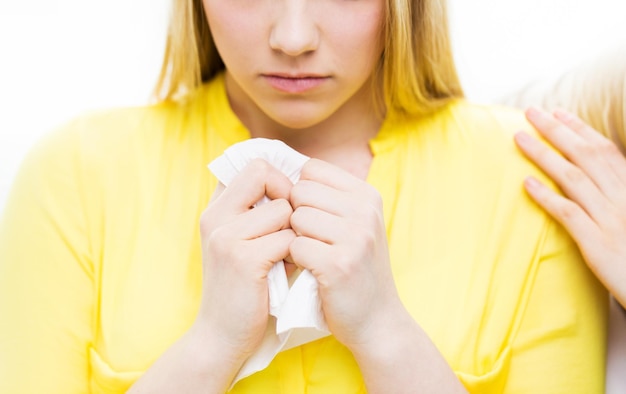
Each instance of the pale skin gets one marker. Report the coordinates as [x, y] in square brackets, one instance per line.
[359, 298]
[294, 42]
[592, 175]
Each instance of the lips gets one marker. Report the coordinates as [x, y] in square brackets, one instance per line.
[294, 84]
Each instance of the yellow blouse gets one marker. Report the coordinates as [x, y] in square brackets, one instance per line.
[100, 265]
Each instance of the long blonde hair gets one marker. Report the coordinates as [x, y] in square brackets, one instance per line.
[417, 66]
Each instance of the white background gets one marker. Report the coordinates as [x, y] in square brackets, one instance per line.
[61, 57]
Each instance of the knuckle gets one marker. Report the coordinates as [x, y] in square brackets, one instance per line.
[574, 175]
[309, 168]
[345, 265]
[218, 236]
[284, 212]
[219, 242]
[370, 212]
[609, 148]
[374, 197]
[542, 153]
[259, 166]
[568, 211]
[283, 207]
[594, 150]
[205, 224]
[297, 193]
[581, 146]
[296, 248]
[367, 241]
[298, 217]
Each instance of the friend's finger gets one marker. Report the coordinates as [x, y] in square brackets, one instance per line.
[605, 146]
[573, 181]
[578, 125]
[569, 214]
[586, 156]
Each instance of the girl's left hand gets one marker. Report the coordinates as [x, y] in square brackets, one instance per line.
[341, 239]
[592, 175]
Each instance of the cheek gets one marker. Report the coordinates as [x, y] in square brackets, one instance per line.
[358, 37]
[234, 28]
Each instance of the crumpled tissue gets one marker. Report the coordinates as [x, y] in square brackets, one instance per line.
[295, 311]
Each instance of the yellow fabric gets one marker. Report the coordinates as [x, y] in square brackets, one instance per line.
[100, 265]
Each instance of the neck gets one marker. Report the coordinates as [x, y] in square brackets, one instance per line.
[341, 139]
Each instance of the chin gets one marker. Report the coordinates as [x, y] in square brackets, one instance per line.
[300, 118]
[298, 123]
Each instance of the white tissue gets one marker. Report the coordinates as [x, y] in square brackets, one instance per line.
[296, 310]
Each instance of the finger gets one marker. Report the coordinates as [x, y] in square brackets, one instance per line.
[587, 156]
[326, 198]
[574, 182]
[257, 179]
[569, 214]
[219, 189]
[262, 220]
[609, 151]
[578, 125]
[270, 248]
[311, 254]
[317, 224]
[334, 177]
[325, 173]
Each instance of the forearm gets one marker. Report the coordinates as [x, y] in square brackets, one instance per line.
[196, 363]
[404, 360]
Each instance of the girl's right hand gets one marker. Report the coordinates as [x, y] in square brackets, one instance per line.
[239, 246]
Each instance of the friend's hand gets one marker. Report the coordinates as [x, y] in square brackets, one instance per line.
[341, 239]
[592, 175]
[239, 246]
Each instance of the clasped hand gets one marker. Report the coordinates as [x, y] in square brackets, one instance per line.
[329, 223]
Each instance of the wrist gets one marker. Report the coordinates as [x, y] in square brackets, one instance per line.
[399, 357]
[212, 355]
[392, 325]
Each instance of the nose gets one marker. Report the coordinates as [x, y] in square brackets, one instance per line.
[294, 31]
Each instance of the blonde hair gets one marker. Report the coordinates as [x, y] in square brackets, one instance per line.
[417, 66]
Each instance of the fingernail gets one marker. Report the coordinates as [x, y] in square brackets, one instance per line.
[522, 138]
[563, 115]
[531, 183]
[533, 112]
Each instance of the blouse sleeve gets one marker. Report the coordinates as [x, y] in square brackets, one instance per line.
[46, 274]
[561, 336]
[557, 338]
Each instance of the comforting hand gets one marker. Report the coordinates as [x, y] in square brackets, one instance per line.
[592, 175]
[341, 239]
[240, 245]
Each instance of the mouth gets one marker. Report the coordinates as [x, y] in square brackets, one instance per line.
[295, 83]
